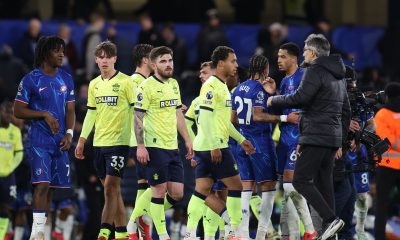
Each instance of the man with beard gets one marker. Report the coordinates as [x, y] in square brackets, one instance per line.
[46, 96]
[158, 118]
[110, 102]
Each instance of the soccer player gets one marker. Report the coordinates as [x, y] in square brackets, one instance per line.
[286, 150]
[11, 151]
[211, 144]
[211, 220]
[143, 69]
[249, 111]
[110, 102]
[158, 117]
[46, 97]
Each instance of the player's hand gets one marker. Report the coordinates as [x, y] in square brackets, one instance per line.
[216, 156]
[339, 153]
[52, 122]
[269, 85]
[142, 154]
[247, 147]
[269, 101]
[66, 142]
[79, 149]
[193, 163]
[354, 126]
[293, 117]
[189, 150]
[184, 108]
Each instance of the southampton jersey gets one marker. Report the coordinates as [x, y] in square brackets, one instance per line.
[10, 143]
[289, 85]
[215, 97]
[112, 100]
[247, 95]
[137, 80]
[159, 100]
[46, 93]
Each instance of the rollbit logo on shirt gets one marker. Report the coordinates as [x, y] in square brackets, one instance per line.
[109, 100]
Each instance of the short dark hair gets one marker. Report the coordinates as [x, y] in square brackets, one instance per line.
[220, 53]
[109, 49]
[392, 90]
[43, 48]
[139, 52]
[291, 48]
[257, 65]
[320, 44]
[159, 51]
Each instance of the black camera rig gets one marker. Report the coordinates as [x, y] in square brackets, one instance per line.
[362, 106]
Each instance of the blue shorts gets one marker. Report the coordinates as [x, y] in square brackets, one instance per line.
[218, 186]
[140, 169]
[361, 180]
[24, 199]
[205, 168]
[8, 190]
[164, 166]
[286, 157]
[49, 165]
[261, 165]
[110, 160]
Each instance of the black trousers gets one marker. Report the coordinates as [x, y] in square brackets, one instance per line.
[313, 178]
[386, 180]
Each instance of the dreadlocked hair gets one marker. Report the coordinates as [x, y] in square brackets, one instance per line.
[257, 65]
[43, 48]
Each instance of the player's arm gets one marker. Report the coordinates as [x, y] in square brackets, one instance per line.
[246, 144]
[142, 154]
[189, 124]
[69, 124]
[190, 119]
[183, 131]
[22, 111]
[260, 116]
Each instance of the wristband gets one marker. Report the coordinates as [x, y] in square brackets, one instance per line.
[71, 132]
[283, 118]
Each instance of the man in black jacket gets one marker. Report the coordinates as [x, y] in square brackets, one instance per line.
[324, 123]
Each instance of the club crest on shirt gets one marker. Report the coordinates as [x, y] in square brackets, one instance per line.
[175, 89]
[209, 95]
[140, 97]
[260, 97]
[115, 87]
[63, 88]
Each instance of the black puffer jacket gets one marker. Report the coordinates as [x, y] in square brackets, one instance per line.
[322, 97]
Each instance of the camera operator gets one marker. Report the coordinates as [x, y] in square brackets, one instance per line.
[388, 171]
[324, 121]
[351, 189]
